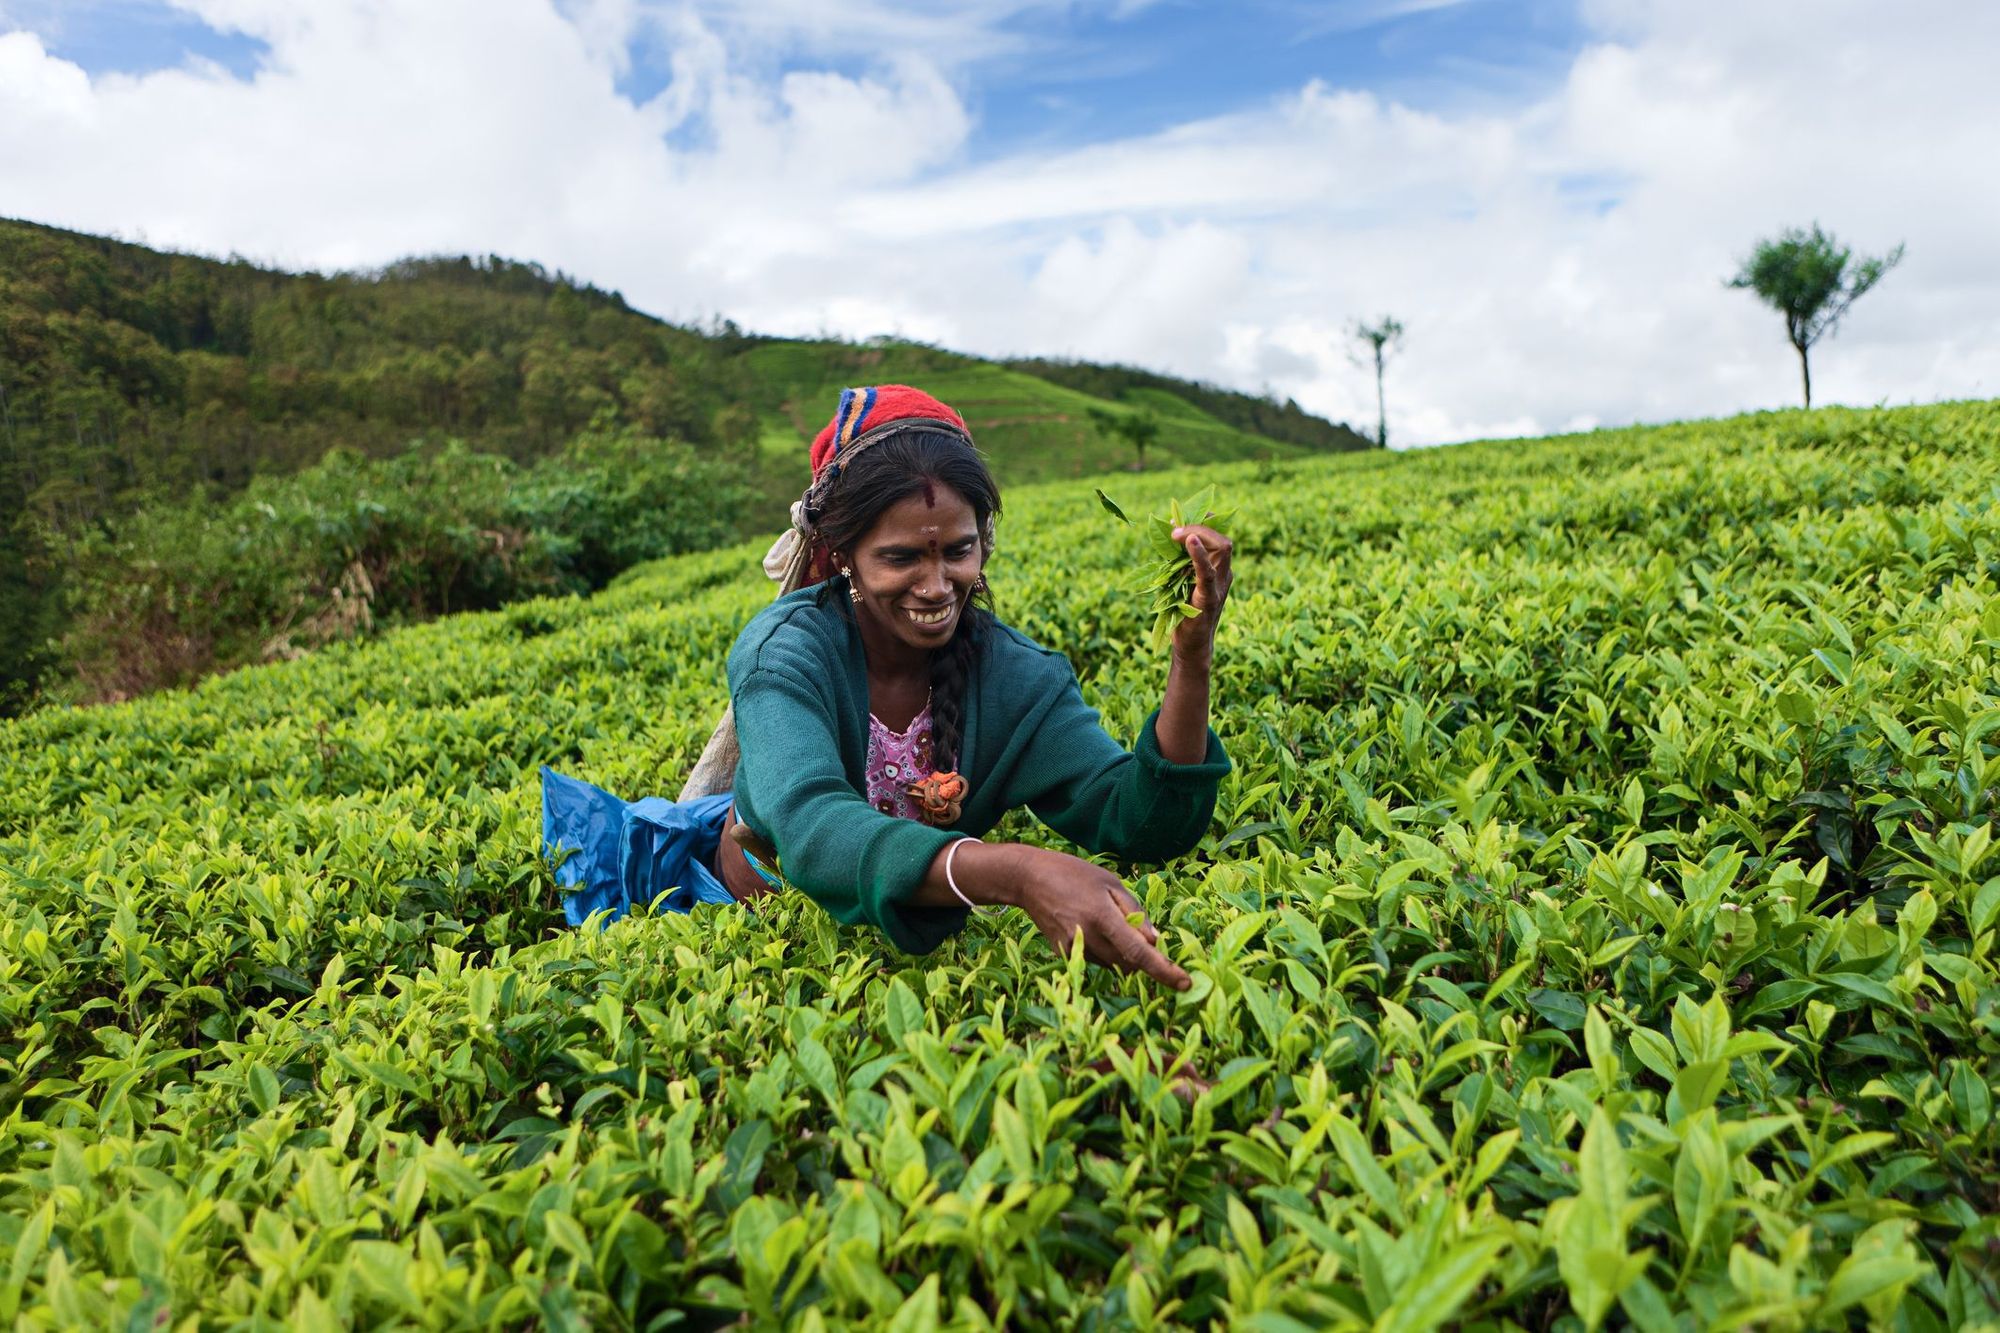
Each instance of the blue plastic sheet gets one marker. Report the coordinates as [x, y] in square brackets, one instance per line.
[625, 853]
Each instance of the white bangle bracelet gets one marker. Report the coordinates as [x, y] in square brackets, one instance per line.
[952, 883]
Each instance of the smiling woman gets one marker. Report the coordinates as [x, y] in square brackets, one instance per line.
[887, 720]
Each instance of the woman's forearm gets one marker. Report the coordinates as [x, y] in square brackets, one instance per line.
[1182, 728]
[988, 873]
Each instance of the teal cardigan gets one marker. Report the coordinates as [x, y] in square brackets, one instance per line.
[799, 683]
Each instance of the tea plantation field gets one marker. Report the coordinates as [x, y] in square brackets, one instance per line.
[1598, 928]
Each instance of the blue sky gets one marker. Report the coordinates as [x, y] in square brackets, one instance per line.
[1057, 76]
[1104, 77]
[1549, 194]
[131, 36]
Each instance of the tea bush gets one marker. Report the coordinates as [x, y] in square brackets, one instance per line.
[1598, 927]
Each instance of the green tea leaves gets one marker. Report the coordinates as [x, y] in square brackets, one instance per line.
[1167, 579]
[1569, 943]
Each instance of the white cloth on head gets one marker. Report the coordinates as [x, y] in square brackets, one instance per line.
[785, 563]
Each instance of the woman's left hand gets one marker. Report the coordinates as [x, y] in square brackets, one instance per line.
[1194, 638]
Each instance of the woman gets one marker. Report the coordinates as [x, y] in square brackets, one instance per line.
[847, 693]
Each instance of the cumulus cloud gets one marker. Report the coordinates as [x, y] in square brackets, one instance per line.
[808, 167]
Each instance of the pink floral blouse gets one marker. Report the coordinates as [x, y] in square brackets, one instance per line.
[895, 759]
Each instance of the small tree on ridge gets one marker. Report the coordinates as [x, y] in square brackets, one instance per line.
[1805, 276]
[1382, 337]
[1137, 429]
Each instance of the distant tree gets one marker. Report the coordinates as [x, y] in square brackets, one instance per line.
[1382, 338]
[1137, 429]
[1811, 279]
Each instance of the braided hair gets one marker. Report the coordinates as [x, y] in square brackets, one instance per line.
[879, 476]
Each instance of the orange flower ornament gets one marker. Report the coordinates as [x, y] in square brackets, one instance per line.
[939, 798]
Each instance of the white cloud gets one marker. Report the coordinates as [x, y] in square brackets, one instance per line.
[1558, 265]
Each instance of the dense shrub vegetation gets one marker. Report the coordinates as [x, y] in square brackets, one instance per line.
[1597, 927]
[295, 562]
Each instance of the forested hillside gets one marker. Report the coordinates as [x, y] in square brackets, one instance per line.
[132, 378]
[140, 391]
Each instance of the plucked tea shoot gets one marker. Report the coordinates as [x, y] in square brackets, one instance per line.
[1167, 577]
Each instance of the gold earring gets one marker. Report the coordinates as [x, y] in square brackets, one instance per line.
[853, 593]
[979, 586]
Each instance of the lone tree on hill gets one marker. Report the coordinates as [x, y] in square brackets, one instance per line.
[1811, 279]
[1382, 337]
[1137, 429]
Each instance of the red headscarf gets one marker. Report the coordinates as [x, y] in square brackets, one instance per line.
[864, 410]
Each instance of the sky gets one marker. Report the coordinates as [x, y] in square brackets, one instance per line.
[1549, 195]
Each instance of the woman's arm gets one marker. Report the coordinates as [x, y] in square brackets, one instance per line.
[1182, 726]
[1153, 802]
[1063, 895]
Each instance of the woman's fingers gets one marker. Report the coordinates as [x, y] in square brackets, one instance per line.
[1067, 910]
[1212, 541]
[1210, 551]
[1127, 904]
[1206, 578]
[1134, 954]
[1128, 948]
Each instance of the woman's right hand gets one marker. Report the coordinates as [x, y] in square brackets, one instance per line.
[1066, 896]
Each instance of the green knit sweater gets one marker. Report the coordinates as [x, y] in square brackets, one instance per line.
[799, 682]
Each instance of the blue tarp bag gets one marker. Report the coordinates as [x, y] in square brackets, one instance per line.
[623, 853]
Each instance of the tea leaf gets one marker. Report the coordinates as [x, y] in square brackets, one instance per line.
[1442, 1286]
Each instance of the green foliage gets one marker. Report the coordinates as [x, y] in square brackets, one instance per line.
[1598, 928]
[131, 379]
[1811, 279]
[293, 563]
[1030, 427]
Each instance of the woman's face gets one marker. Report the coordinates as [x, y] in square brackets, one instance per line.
[915, 568]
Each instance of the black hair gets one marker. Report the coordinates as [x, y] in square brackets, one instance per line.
[880, 475]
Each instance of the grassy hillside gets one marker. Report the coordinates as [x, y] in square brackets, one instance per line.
[136, 388]
[1285, 421]
[1597, 924]
[1033, 426]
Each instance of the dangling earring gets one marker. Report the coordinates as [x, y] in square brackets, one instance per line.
[979, 588]
[853, 593]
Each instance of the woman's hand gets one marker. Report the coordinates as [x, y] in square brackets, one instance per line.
[1066, 896]
[1194, 638]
